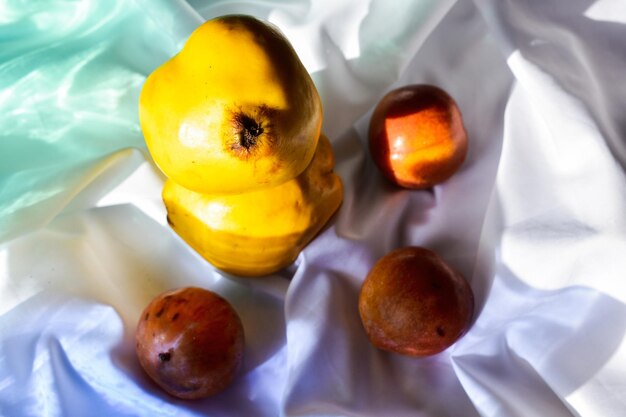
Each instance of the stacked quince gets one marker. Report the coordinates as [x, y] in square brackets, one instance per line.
[234, 122]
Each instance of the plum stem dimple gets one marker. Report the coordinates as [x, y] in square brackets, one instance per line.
[165, 356]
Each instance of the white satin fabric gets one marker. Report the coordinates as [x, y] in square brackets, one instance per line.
[535, 219]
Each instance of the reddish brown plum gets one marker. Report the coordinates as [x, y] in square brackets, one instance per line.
[413, 303]
[190, 341]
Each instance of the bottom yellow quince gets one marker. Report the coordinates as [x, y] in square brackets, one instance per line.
[260, 232]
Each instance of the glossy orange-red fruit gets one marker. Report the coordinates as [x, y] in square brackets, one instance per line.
[417, 138]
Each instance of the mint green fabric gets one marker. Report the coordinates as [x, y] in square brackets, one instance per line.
[70, 76]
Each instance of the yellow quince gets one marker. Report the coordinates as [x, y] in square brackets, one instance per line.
[259, 232]
[234, 110]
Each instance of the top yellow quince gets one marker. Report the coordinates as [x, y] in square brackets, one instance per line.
[234, 111]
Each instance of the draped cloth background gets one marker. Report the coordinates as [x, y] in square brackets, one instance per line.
[535, 219]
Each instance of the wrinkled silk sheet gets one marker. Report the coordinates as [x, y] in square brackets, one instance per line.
[535, 219]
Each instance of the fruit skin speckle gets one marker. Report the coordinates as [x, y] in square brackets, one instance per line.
[190, 341]
[413, 303]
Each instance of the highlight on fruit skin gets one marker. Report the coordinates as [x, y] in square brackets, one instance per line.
[414, 304]
[260, 232]
[190, 342]
[416, 136]
[234, 111]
